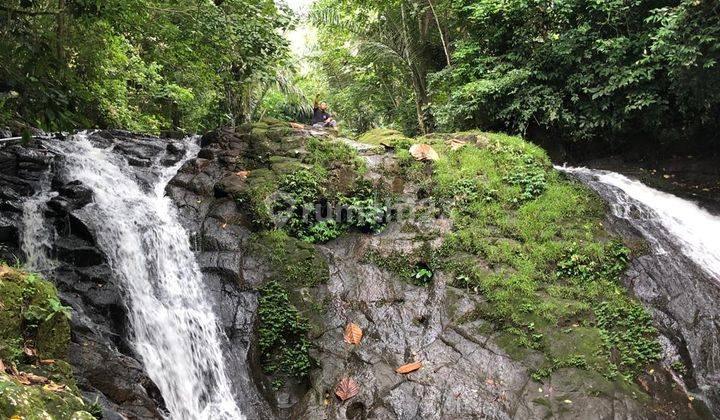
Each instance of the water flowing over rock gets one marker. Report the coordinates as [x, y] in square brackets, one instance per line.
[679, 278]
[173, 326]
[94, 218]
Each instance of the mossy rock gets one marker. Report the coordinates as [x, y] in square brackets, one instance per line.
[385, 137]
[252, 197]
[31, 313]
[31, 316]
[295, 263]
[39, 402]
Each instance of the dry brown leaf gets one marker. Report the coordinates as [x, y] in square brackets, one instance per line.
[297, 125]
[4, 269]
[423, 152]
[22, 378]
[47, 362]
[30, 352]
[353, 334]
[347, 388]
[242, 174]
[410, 367]
[2, 367]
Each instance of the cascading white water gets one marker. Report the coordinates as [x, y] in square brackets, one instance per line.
[37, 237]
[654, 213]
[174, 328]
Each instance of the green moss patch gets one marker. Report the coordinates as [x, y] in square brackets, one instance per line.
[550, 275]
[37, 402]
[284, 345]
[31, 315]
[295, 262]
[385, 137]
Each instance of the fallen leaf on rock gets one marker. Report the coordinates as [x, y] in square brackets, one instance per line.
[297, 125]
[423, 152]
[242, 174]
[347, 388]
[567, 402]
[410, 367]
[353, 334]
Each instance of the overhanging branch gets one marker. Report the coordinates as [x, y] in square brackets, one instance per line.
[9, 9]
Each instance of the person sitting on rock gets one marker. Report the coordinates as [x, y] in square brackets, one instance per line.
[321, 117]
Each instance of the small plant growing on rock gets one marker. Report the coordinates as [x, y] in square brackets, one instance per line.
[423, 276]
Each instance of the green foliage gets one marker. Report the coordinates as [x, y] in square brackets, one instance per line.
[583, 71]
[530, 177]
[314, 215]
[142, 65]
[283, 333]
[627, 328]
[638, 71]
[422, 276]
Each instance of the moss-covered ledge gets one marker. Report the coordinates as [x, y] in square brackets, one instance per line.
[35, 382]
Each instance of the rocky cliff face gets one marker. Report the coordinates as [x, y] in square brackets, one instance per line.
[464, 265]
[471, 366]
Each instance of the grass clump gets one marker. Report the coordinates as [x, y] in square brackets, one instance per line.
[284, 345]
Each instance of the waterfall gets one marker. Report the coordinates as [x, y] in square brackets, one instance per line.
[679, 279]
[174, 328]
[37, 236]
[661, 217]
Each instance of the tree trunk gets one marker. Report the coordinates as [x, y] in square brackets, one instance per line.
[442, 33]
[60, 30]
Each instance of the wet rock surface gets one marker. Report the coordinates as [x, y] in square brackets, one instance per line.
[682, 297]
